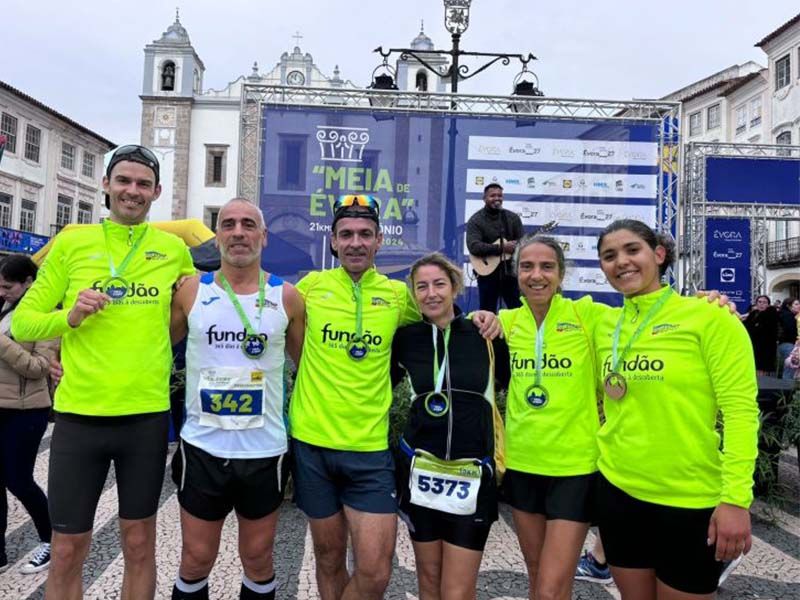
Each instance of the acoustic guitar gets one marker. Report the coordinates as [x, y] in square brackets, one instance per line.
[486, 265]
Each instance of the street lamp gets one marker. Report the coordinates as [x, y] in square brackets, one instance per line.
[456, 20]
[526, 85]
[382, 81]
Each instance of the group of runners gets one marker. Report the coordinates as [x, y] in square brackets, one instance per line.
[670, 504]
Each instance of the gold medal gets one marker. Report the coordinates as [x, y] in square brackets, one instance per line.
[437, 404]
[615, 385]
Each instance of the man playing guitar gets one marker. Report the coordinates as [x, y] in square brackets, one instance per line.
[492, 235]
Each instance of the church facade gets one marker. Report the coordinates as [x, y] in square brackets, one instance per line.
[195, 131]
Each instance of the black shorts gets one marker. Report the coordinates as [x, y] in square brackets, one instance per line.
[570, 498]
[670, 540]
[210, 487]
[429, 525]
[81, 451]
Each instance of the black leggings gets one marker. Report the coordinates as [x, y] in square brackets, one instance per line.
[21, 432]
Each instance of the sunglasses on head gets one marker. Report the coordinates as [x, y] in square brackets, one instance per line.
[133, 149]
[356, 200]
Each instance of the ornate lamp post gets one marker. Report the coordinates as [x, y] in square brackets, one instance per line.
[456, 20]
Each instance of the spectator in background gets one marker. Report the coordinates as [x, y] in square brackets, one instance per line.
[762, 325]
[24, 408]
[787, 335]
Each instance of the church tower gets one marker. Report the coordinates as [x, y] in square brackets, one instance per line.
[173, 74]
[413, 76]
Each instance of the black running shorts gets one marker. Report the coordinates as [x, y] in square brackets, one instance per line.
[81, 451]
[210, 487]
[670, 540]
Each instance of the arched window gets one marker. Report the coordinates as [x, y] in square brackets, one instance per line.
[784, 139]
[168, 77]
[422, 81]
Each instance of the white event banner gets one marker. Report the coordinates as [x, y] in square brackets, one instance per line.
[585, 279]
[601, 185]
[570, 215]
[576, 279]
[547, 150]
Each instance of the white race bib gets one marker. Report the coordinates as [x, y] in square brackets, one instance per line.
[231, 397]
[450, 486]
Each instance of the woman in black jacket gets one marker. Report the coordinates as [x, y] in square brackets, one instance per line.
[447, 458]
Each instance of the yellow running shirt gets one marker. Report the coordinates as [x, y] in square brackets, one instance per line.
[557, 438]
[339, 402]
[118, 361]
[659, 442]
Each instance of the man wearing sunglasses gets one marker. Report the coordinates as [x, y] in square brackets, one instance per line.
[344, 471]
[115, 282]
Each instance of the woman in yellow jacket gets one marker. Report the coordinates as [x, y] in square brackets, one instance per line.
[24, 408]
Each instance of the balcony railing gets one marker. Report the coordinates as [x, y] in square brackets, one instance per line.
[784, 253]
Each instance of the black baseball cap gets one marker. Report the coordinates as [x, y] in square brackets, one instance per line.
[359, 206]
[133, 153]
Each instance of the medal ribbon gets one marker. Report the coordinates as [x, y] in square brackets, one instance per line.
[118, 271]
[438, 374]
[537, 378]
[617, 358]
[359, 309]
[238, 306]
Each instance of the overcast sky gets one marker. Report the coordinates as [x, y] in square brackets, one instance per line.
[85, 59]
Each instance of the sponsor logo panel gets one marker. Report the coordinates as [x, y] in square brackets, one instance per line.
[604, 185]
[593, 152]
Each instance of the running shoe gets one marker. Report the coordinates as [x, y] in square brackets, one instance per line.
[590, 570]
[727, 568]
[39, 561]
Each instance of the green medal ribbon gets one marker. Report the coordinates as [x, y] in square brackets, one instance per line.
[436, 403]
[536, 394]
[357, 349]
[115, 286]
[616, 357]
[253, 346]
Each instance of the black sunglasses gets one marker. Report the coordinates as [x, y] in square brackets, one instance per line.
[133, 149]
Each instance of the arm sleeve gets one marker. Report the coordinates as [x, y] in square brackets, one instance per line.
[306, 283]
[35, 317]
[397, 371]
[516, 226]
[475, 243]
[187, 266]
[409, 313]
[30, 364]
[728, 357]
[502, 366]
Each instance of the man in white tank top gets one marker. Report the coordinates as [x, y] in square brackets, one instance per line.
[231, 456]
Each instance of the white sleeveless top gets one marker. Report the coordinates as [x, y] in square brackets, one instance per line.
[235, 404]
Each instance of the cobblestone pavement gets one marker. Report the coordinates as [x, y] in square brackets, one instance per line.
[770, 572]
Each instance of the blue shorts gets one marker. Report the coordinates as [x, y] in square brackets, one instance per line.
[326, 479]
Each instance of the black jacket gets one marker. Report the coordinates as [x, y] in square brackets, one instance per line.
[467, 430]
[486, 226]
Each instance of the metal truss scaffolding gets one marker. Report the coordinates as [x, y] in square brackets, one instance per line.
[255, 97]
[696, 209]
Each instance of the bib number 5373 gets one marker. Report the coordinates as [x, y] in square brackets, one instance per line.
[441, 485]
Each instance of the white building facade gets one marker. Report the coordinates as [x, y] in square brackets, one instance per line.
[753, 104]
[52, 167]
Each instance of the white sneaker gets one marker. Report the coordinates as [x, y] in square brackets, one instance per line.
[39, 561]
[728, 568]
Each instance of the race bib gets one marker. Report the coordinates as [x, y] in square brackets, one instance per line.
[231, 398]
[450, 486]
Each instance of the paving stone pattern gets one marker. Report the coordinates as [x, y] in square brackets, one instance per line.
[770, 572]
